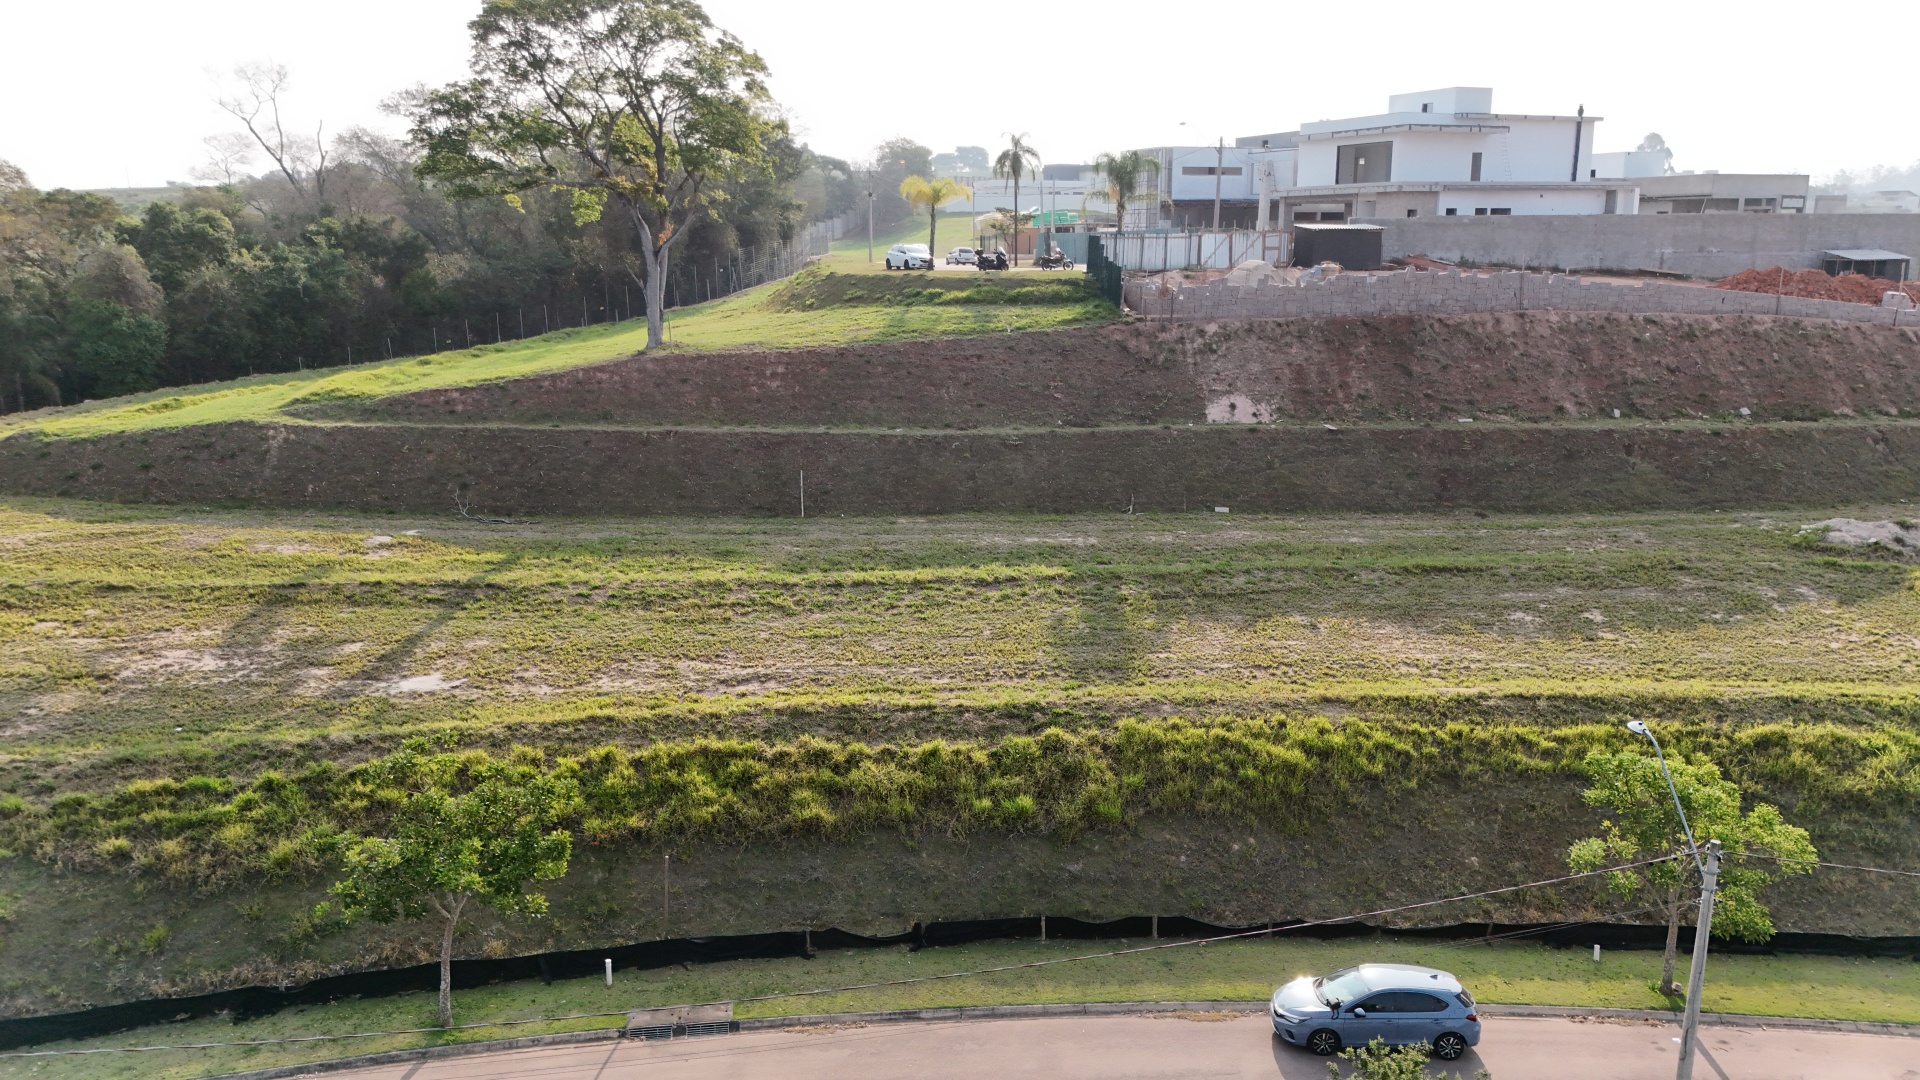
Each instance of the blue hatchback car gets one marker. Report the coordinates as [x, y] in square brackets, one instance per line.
[1397, 1003]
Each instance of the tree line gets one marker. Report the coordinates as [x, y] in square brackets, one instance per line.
[596, 147]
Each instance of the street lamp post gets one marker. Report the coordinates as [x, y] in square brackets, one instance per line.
[1640, 728]
[1703, 922]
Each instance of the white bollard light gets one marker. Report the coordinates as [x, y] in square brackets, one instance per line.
[1596, 956]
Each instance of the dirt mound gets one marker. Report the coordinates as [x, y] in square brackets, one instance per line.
[1817, 285]
[1535, 366]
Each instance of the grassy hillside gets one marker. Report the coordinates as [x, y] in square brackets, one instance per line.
[868, 721]
[772, 316]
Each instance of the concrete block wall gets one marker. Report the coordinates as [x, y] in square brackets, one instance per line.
[1699, 245]
[1409, 292]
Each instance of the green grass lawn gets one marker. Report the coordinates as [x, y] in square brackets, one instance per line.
[1838, 988]
[282, 628]
[756, 318]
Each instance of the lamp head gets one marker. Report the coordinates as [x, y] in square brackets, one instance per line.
[1637, 727]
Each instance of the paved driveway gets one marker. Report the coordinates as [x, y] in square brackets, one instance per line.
[1109, 1048]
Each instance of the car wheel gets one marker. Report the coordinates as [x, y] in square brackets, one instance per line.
[1325, 1042]
[1449, 1046]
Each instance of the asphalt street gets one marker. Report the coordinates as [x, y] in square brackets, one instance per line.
[1240, 1046]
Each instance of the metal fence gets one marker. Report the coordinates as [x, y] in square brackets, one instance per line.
[1178, 250]
[743, 269]
[1106, 274]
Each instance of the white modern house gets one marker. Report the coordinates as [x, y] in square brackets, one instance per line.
[1442, 152]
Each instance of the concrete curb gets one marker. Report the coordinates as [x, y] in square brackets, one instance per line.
[1799, 1023]
[1000, 1012]
[1041, 1012]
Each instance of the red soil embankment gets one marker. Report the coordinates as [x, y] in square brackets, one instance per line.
[1817, 285]
[1525, 365]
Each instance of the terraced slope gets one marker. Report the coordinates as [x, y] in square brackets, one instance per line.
[869, 721]
[1495, 412]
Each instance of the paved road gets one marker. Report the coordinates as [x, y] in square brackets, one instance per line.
[1110, 1048]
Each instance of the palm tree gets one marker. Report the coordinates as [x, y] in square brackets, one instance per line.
[920, 191]
[1016, 161]
[1122, 173]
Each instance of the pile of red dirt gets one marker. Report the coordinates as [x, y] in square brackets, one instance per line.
[1816, 285]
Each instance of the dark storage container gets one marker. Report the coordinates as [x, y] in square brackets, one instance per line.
[1354, 247]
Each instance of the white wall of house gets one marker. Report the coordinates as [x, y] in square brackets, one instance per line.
[1446, 100]
[1531, 149]
[1630, 164]
[1187, 171]
[1525, 203]
[1513, 147]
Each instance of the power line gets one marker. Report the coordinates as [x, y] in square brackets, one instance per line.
[1266, 931]
[1817, 862]
[1547, 929]
[1199, 941]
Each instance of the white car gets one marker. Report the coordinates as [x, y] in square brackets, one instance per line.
[909, 257]
[962, 256]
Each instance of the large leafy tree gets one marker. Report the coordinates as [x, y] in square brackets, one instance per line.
[640, 103]
[1644, 825]
[1016, 162]
[1122, 173]
[454, 840]
[924, 194]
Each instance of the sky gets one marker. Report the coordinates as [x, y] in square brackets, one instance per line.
[127, 99]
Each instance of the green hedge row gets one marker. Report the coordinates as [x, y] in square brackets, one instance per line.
[1284, 770]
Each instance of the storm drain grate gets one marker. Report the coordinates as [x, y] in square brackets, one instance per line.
[684, 1021]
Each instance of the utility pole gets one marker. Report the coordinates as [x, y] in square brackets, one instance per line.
[1697, 976]
[1219, 166]
[869, 215]
[1579, 123]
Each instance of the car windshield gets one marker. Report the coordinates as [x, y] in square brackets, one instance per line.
[1340, 987]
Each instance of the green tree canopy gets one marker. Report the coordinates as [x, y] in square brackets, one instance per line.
[924, 194]
[459, 836]
[177, 243]
[1644, 825]
[1016, 162]
[642, 103]
[1123, 173]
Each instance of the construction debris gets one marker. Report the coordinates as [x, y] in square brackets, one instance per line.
[1898, 536]
[1817, 285]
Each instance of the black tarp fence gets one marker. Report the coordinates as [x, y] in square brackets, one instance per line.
[248, 1002]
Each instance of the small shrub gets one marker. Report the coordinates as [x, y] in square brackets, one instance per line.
[155, 939]
[1378, 1061]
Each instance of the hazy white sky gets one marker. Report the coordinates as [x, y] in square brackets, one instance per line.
[126, 98]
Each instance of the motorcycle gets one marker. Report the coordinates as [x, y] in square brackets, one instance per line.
[993, 260]
[1054, 259]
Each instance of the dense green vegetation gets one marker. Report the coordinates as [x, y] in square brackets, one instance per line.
[297, 255]
[1232, 971]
